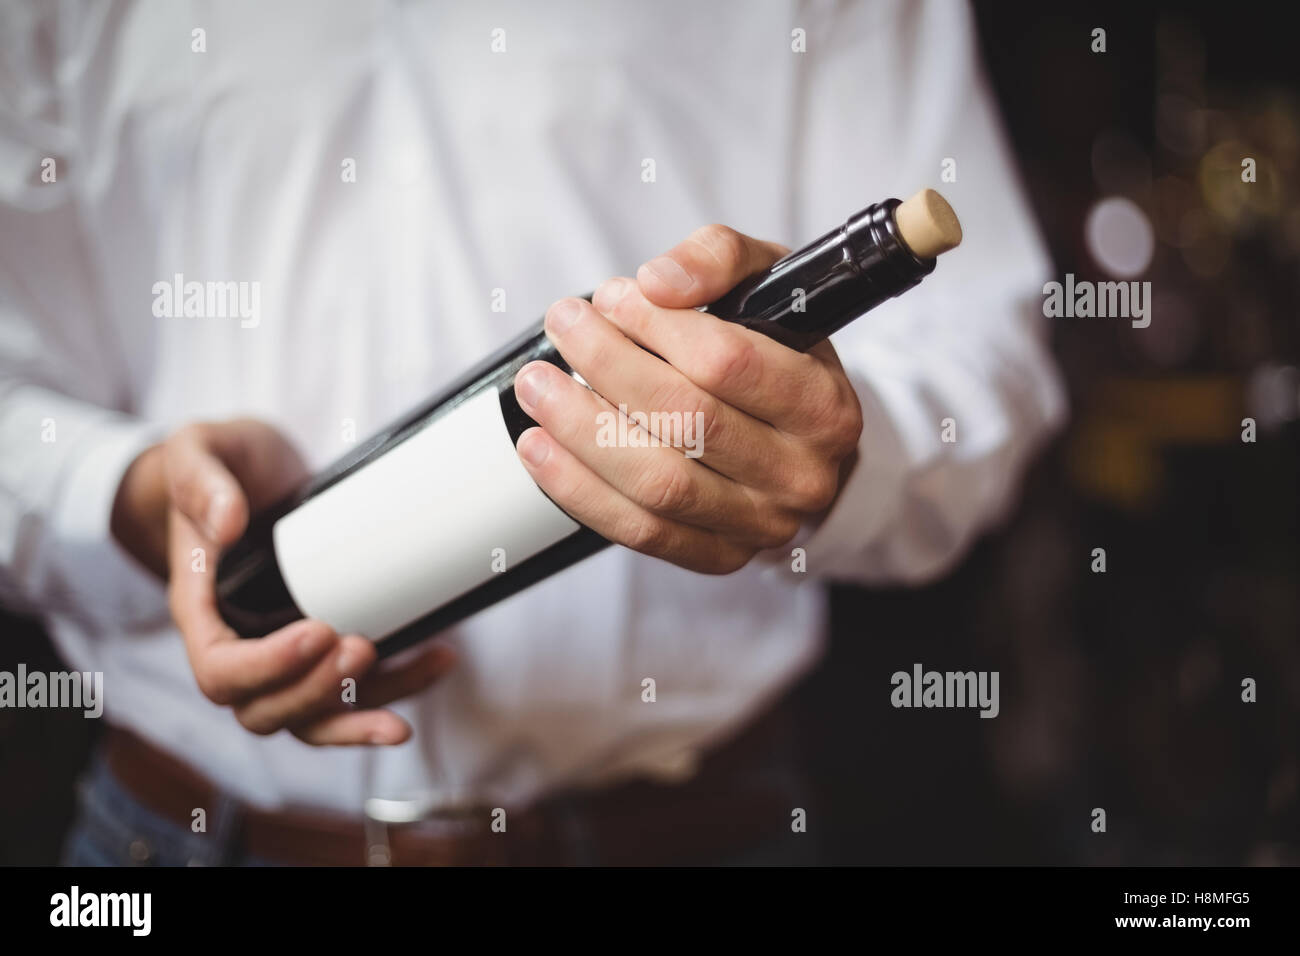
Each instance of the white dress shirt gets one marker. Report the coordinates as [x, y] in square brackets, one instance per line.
[520, 169]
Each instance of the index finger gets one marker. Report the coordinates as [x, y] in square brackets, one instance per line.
[705, 266]
[229, 669]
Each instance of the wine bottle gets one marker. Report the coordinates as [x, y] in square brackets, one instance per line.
[398, 539]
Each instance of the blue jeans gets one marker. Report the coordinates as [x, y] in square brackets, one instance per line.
[113, 828]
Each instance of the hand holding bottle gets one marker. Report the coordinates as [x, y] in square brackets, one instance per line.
[182, 502]
[775, 430]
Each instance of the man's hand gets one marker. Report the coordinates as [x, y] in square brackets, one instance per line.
[196, 491]
[779, 428]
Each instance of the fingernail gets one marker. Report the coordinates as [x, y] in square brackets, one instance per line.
[610, 294]
[531, 385]
[217, 506]
[350, 658]
[534, 448]
[312, 642]
[667, 271]
[561, 316]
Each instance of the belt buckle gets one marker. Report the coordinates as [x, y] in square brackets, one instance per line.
[454, 812]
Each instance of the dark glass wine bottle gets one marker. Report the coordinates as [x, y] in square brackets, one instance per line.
[399, 539]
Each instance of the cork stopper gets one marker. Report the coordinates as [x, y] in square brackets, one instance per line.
[927, 224]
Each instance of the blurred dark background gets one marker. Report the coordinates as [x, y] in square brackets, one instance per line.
[1119, 690]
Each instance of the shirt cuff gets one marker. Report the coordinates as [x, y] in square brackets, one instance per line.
[107, 585]
[866, 504]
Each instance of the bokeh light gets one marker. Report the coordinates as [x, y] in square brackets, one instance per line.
[1273, 395]
[1119, 237]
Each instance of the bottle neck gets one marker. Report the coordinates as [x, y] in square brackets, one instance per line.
[819, 289]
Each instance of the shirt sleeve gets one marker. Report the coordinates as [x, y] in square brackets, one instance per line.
[956, 384]
[66, 438]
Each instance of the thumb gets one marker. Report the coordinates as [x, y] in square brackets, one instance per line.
[200, 484]
[704, 266]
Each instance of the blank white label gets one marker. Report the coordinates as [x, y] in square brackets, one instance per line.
[417, 526]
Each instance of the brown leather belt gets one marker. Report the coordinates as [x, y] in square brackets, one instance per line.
[728, 805]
